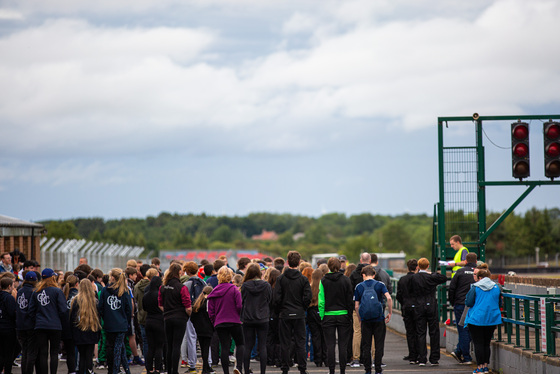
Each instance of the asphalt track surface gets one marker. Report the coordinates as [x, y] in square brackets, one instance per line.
[395, 350]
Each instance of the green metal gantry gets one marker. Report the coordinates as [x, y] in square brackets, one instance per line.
[462, 203]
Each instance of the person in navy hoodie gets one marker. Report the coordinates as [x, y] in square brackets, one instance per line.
[70, 291]
[25, 326]
[85, 323]
[175, 300]
[115, 307]
[7, 324]
[48, 307]
[224, 309]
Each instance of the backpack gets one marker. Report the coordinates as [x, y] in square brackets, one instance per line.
[195, 286]
[370, 305]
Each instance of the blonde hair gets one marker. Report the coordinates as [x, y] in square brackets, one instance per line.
[131, 263]
[225, 275]
[152, 273]
[303, 265]
[120, 281]
[87, 318]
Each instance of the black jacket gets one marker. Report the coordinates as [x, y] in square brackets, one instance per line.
[82, 337]
[405, 296]
[292, 294]
[7, 311]
[256, 296]
[461, 284]
[201, 321]
[337, 293]
[424, 286]
[356, 276]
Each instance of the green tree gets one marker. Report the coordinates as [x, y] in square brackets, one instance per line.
[201, 240]
[62, 230]
[222, 234]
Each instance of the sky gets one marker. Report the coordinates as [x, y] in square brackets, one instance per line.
[129, 108]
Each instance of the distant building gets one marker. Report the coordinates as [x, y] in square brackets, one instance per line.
[298, 236]
[20, 234]
[266, 235]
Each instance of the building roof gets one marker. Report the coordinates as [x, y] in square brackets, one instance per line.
[6, 221]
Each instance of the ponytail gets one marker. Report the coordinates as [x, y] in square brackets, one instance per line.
[120, 281]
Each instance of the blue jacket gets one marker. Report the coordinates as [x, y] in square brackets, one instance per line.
[484, 299]
[116, 311]
[48, 308]
[7, 311]
[23, 320]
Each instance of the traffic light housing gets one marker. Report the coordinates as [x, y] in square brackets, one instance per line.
[520, 150]
[551, 132]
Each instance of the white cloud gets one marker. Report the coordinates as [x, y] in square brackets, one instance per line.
[10, 15]
[81, 86]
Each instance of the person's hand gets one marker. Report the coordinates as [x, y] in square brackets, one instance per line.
[388, 318]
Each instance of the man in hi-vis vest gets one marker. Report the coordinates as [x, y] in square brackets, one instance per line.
[460, 258]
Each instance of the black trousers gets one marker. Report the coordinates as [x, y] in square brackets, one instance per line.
[7, 345]
[204, 342]
[215, 348]
[411, 335]
[226, 332]
[427, 318]
[28, 344]
[250, 332]
[317, 336]
[70, 349]
[292, 329]
[481, 337]
[48, 343]
[274, 352]
[155, 334]
[174, 332]
[377, 330]
[343, 325]
[85, 365]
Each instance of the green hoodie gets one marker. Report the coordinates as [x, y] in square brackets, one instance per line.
[139, 296]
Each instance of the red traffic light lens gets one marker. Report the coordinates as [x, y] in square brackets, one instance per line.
[521, 150]
[552, 131]
[521, 169]
[553, 150]
[520, 132]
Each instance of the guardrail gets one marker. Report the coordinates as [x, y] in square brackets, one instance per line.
[530, 322]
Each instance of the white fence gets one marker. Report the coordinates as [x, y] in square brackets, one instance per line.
[65, 254]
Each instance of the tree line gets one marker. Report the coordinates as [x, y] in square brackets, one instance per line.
[517, 236]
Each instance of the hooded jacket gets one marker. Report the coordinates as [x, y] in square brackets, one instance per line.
[115, 310]
[23, 320]
[48, 307]
[484, 300]
[335, 295]
[7, 311]
[201, 321]
[292, 294]
[224, 304]
[356, 276]
[139, 291]
[461, 284]
[256, 296]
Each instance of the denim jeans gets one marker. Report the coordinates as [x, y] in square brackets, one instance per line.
[464, 344]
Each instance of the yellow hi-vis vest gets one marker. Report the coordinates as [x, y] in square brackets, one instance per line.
[457, 259]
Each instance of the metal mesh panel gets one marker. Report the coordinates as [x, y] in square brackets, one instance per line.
[461, 192]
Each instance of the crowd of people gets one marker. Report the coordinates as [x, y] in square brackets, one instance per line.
[278, 312]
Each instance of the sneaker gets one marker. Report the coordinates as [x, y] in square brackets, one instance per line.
[231, 359]
[184, 364]
[355, 364]
[191, 371]
[435, 363]
[236, 371]
[467, 362]
[456, 357]
[100, 366]
[413, 362]
[138, 361]
[16, 364]
[407, 358]
[486, 370]
[383, 365]
[477, 371]
[421, 364]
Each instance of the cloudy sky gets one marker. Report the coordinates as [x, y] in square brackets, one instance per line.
[129, 108]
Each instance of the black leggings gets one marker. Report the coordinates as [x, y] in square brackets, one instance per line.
[481, 337]
[155, 334]
[204, 342]
[70, 349]
[250, 331]
[174, 331]
[7, 339]
[48, 342]
[86, 358]
[28, 344]
[226, 333]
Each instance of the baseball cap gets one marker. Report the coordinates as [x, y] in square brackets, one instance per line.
[342, 258]
[30, 276]
[47, 273]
